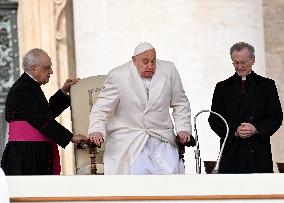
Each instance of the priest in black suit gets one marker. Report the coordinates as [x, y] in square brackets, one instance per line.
[33, 131]
[251, 106]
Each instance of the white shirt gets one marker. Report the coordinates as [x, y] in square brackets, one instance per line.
[147, 84]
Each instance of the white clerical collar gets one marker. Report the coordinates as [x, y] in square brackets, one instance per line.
[245, 76]
[32, 77]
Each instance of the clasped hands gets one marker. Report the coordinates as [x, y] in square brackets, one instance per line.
[245, 130]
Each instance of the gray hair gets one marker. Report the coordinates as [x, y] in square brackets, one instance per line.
[32, 57]
[242, 45]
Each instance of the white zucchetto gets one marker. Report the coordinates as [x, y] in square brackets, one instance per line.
[142, 47]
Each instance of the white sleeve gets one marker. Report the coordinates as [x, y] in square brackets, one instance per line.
[180, 104]
[105, 104]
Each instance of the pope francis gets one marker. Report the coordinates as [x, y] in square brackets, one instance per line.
[132, 116]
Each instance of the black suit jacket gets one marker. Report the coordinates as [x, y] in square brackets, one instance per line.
[259, 106]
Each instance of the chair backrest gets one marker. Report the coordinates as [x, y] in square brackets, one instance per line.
[83, 96]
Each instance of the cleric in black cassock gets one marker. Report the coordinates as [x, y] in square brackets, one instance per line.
[33, 130]
[251, 106]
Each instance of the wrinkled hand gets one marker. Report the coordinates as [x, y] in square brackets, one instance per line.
[183, 137]
[246, 130]
[78, 137]
[68, 83]
[96, 138]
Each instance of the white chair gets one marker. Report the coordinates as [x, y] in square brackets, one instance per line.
[88, 158]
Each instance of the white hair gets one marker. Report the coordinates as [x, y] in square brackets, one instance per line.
[32, 57]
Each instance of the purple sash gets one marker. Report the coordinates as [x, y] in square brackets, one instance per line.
[23, 131]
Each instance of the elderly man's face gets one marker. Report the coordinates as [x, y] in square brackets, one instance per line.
[43, 70]
[242, 61]
[146, 63]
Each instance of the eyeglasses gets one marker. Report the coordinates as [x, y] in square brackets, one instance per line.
[242, 63]
[47, 68]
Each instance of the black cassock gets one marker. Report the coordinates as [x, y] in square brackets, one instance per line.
[259, 105]
[27, 102]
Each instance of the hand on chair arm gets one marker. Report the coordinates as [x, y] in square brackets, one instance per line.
[96, 138]
[78, 137]
[183, 137]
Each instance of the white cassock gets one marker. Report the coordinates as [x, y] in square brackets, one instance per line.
[139, 131]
